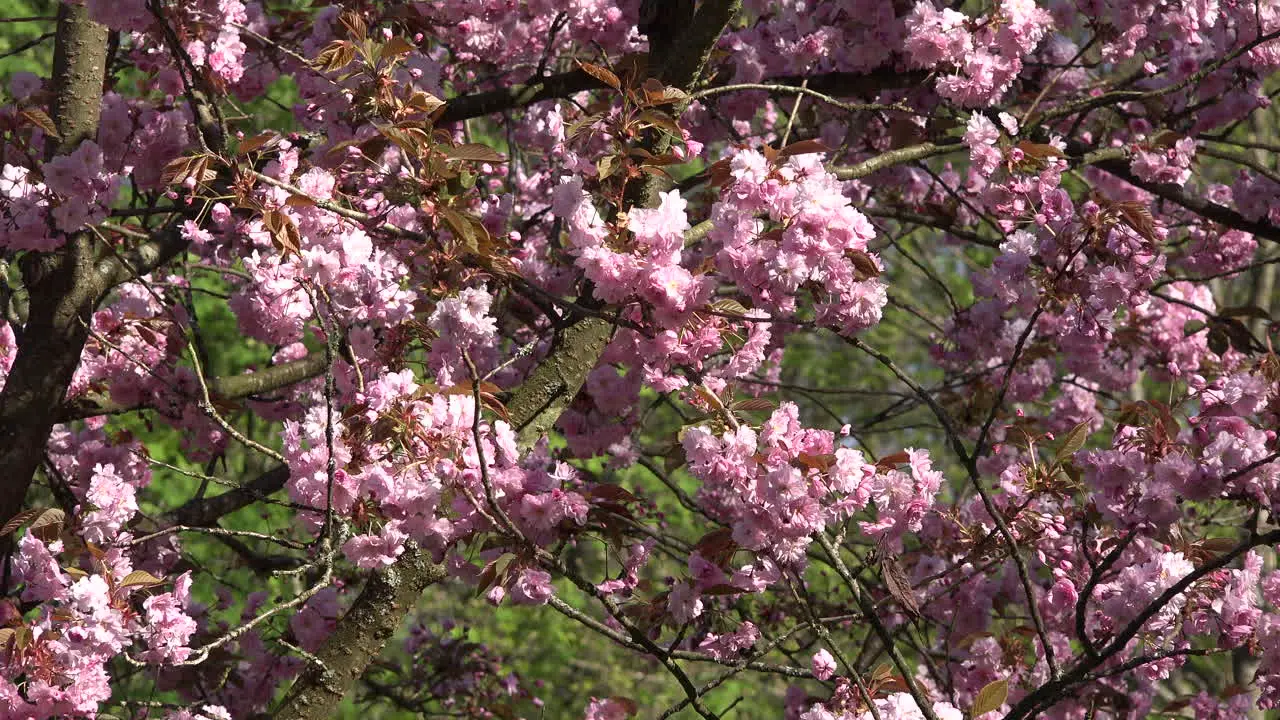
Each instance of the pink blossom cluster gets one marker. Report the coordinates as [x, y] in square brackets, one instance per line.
[897, 706]
[782, 230]
[360, 279]
[1167, 165]
[778, 487]
[443, 495]
[85, 620]
[649, 266]
[1083, 298]
[66, 194]
[97, 589]
[984, 57]
[1143, 481]
[219, 48]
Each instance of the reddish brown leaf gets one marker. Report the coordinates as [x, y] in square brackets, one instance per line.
[424, 102]
[817, 462]
[177, 171]
[395, 47]
[895, 581]
[284, 233]
[665, 96]
[1138, 217]
[248, 145]
[659, 119]
[889, 462]
[357, 28]
[1165, 139]
[466, 388]
[19, 520]
[1039, 151]
[140, 578]
[863, 263]
[627, 704]
[581, 124]
[610, 491]
[40, 119]
[48, 524]
[604, 75]
[802, 147]
[717, 546]
[755, 405]
[462, 229]
[335, 56]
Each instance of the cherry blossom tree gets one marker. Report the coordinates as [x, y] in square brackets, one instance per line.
[909, 360]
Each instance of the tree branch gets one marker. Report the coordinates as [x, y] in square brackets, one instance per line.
[1196, 203]
[235, 387]
[897, 157]
[207, 510]
[360, 636]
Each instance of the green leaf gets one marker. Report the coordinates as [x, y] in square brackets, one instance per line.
[1074, 441]
[477, 152]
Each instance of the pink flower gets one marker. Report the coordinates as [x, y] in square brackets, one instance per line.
[38, 569]
[662, 228]
[683, 602]
[169, 626]
[607, 709]
[823, 665]
[532, 587]
[114, 503]
[372, 551]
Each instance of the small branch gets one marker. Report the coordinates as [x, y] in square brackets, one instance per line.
[869, 612]
[897, 157]
[235, 387]
[803, 90]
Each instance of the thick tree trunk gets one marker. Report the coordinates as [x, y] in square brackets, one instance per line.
[64, 285]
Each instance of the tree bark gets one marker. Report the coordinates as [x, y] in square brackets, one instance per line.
[64, 285]
[360, 636]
